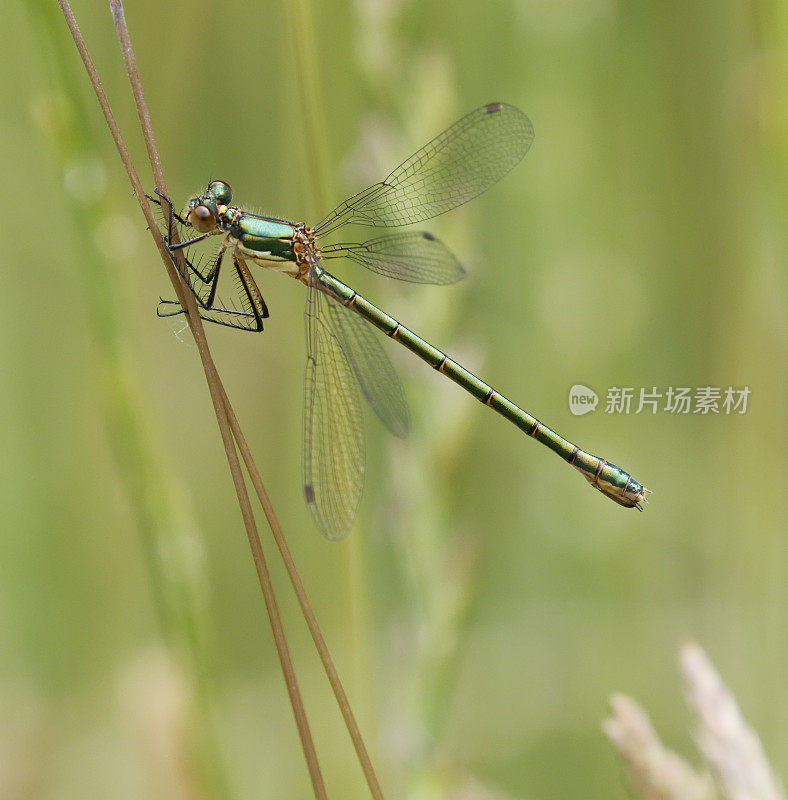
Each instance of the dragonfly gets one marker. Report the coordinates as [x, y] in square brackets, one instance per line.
[344, 353]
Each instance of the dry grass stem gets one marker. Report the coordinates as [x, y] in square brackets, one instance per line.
[306, 609]
[654, 772]
[234, 428]
[730, 746]
[738, 769]
[214, 383]
[229, 427]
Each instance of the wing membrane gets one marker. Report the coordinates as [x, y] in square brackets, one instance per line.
[456, 166]
[414, 256]
[333, 433]
[371, 367]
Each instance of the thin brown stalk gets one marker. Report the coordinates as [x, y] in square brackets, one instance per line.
[306, 608]
[216, 389]
[251, 466]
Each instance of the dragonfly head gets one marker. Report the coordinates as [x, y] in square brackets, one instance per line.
[201, 213]
[220, 192]
[204, 212]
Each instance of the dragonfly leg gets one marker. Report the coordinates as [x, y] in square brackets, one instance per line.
[188, 242]
[162, 199]
[211, 279]
[213, 273]
[253, 293]
[229, 317]
[206, 278]
[251, 320]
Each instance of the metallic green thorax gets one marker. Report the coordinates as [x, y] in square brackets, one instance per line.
[611, 480]
[262, 235]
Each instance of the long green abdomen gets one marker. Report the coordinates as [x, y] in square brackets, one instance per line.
[612, 481]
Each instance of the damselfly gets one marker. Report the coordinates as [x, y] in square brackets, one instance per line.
[343, 352]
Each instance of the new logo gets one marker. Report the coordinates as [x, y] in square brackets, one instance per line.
[582, 400]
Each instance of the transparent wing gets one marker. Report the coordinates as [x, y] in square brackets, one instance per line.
[333, 427]
[370, 365]
[415, 256]
[454, 167]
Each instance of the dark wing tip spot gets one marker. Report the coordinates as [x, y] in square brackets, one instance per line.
[428, 236]
[493, 108]
[309, 493]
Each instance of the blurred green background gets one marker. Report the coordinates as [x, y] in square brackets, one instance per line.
[487, 602]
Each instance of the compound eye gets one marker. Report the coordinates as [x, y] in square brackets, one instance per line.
[202, 218]
[221, 192]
